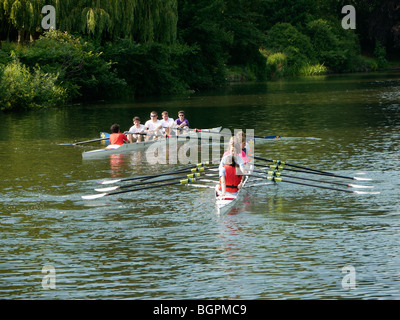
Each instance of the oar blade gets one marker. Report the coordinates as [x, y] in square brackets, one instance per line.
[363, 179]
[109, 181]
[366, 192]
[94, 196]
[108, 189]
[357, 186]
[65, 144]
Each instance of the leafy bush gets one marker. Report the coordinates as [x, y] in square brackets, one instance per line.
[283, 37]
[290, 50]
[380, 55]
[21, 89]
[81, 67]
[151, 68]
[276, 62]
[313, 70]
[334, 47]
[321, 46]
[4, 57]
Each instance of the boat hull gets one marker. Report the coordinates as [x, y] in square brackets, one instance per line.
[160, 142]
[125, 148]
[224, 205]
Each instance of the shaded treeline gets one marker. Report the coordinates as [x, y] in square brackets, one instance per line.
[106, 49]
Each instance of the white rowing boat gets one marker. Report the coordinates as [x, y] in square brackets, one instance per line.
[226, 203]
[161, 141]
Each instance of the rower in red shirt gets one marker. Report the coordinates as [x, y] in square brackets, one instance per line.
[116, 137]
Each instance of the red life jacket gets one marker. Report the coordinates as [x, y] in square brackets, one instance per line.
[232, 179]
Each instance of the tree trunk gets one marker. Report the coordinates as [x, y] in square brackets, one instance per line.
[21, 35]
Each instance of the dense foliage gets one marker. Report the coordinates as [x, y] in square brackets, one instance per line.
[108, 49]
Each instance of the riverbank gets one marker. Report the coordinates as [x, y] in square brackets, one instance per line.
[75, 71]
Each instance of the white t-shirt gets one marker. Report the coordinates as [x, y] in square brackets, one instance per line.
[152, 125]
[136, 129]
[167, 123]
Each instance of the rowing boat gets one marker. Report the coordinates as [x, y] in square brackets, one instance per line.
[226, 203]
[161, 141]
[117, 149]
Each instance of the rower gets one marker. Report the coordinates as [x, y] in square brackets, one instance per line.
[116, 137]
[231, 173]
[243, 146]
[181, 122]
[167, 122]
[136, 128]
[153, 126]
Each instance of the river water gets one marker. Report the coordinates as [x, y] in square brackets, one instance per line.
[283, 241]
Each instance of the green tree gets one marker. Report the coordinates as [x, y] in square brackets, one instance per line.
[140, 20]
[201, 26]
[81, 67]
[22, 88]
[241, 19]
[151, 68]
[23, 15]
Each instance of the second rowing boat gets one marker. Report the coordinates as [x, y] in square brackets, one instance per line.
[160, 142]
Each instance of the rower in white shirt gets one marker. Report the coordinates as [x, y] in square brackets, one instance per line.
[167, 123]
[136, 128]
[153, 126]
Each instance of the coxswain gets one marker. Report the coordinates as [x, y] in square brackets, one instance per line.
[116, 137]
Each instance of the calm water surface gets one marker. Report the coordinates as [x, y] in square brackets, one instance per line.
[283, 242]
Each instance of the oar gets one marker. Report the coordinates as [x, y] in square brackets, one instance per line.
[275, 179]
[328, 174]
[194, 168]
[105, 134]
[279, 174]
[108, 189]
[161, 135]
[82, 142]
[268, 137]
[100, 195]
[283, 163]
